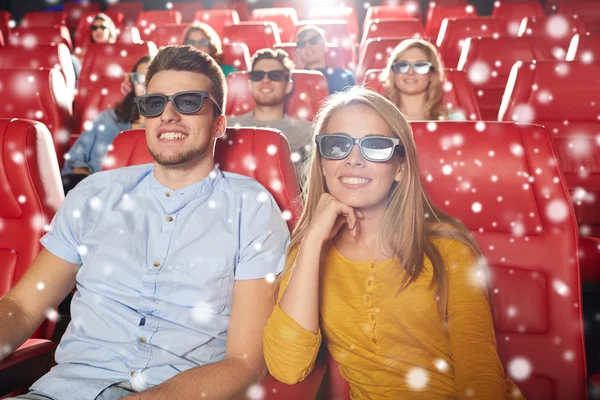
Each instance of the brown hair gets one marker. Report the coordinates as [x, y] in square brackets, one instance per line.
[216, 47]
[307, 28]
[112, 29]
[278, 55]
[187, 58]
[411, 219]
[434, 107]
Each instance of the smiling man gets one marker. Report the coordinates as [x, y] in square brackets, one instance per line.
[270, 83]
[169, 260]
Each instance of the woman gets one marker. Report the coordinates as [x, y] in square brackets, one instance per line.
[204, 38]
[103, 29]
[88, 152]
[383, 273]
[413, 80]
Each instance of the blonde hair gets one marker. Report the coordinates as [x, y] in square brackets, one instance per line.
[112, 29]
[216, 47]
[434, 108]
[410, 221]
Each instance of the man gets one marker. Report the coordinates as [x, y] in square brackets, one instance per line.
[169, 259]
[311, 50]
[270, 83]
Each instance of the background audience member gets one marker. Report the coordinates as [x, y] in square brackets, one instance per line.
[203, 37]
[413, 80]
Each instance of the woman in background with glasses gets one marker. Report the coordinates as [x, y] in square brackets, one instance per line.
[204, 38]
[89, 150]
[395, 285]
[413, 80]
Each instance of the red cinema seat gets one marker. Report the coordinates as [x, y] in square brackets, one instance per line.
[238, 55]
[130, 10]
[106, 61]
[44, 18]
[52, 56]
[564, 98]
[337, 13]
[188, 10]
[336, 56]
[584, 48]
[458, 94]
[310, 88]
[40, 35]
[129, 35]
[454, 32]
[385, 12]
[511, 14]
[218, 19]
[151, 19]
[375, 54]
[104, 94]
[586, 10]
[385, 28]
[410, 8]
[256, 35]
[488, 61]
[166, 35]
[82, 32]
[555, 30]
[245, 151]
[6, 24]
[435, 16]
[336, 31]
[285, 18]
[31, 194]
[41, 95]
[240, 6]
[77, 11]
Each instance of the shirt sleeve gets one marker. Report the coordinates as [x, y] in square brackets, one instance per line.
[290, 350]
[264, 237]
[478, 370]
[79, 154]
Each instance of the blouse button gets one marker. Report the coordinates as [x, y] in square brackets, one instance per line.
[372, 265]
[374, 341]
[367, 298]
[168, 194]
[372, 317]
[370, 282]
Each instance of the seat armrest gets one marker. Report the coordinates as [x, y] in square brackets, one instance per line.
[305, 390]
[26, 365]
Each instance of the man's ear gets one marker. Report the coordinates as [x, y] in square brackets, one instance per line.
[219, 127]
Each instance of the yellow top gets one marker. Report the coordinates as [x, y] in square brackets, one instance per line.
[395, 346]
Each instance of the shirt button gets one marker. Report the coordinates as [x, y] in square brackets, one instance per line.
[372, 265]
[142, 340]
[367, 298]
[168, 194]
[133, 374]
[156, 264]
[370, 282]
[169, 218]
[374, 341]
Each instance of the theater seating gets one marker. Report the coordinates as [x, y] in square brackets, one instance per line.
[336, 56]
[41, 95]
[488, 61]
[564, 98]
[31, 194]
[40, 36]
[53, 56]
[77, 11]
[310, 88]
[454, 32]
[256, 35]
[5, 18]
[187, 9]
[385, 12]
[166, 35]
[584, 48]
[555, 30]
[285, 18]
[43, 18]
[82, 32]
[218, 19]
[336, 31]
[129, 35]
[385, 28]
[337, 13]
[586, 10]
[458, 94]
[375, 54]
[148, 21]
[238, 55]
[130, 10]
[241, 7]
[511, 14]
[435, 16]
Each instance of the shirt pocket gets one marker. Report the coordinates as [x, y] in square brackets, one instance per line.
[202, 283]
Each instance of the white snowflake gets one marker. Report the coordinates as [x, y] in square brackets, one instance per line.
[202, 313]
[479, 72]
[255, 392]
[560, 288]
[557, 26]
[270, 278]
[523, 113]
[40, 286]
[51, 314]
[557, 211]
[417, 378]
[476, 207]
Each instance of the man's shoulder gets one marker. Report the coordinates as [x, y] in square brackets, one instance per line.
[107, 180]
[298, 123]
[240, 184]
[239, 119]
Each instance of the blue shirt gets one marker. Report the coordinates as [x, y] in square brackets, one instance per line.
[158, 268]
[338, 79]
[90, 149]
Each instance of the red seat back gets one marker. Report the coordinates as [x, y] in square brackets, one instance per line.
[310, 88]
[285, 18]
[41, 95]
[435, 16]
[5, 24]
[52, 56]
[564, 98]
[337, 13]
[385, 12]
[256, 35]
[130, 10]
[336, 56]
[488, 61]
[218, 19]
[586, 10]
[238, 55]
[454, 32]
[129, 35]
[31, 194]
[77, 11]
[188, 10]
[166, 35]
[584, 48]
[103, 94]
[44, 18]
[555, 30]
[511, 14]
[148, 20]
[82, 32]
[458, 93]
[245, 151]
[240, 6]
[385, 28]
[40, 36]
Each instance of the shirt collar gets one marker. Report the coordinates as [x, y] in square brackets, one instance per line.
[202, 188]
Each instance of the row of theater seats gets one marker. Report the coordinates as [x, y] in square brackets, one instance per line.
[535, 286]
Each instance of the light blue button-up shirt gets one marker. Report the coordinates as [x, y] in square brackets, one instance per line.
[158, 268]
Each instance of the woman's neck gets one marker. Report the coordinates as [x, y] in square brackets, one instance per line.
[368, 230]
[413, 106]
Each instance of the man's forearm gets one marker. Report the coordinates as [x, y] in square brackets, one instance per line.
[227, 379]
[15, 327]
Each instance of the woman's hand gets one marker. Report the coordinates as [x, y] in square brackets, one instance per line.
[329, 217]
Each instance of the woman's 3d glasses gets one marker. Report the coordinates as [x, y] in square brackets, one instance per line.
[420, 67]
[337, 146]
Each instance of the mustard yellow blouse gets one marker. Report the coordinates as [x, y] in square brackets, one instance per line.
[393, 345]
